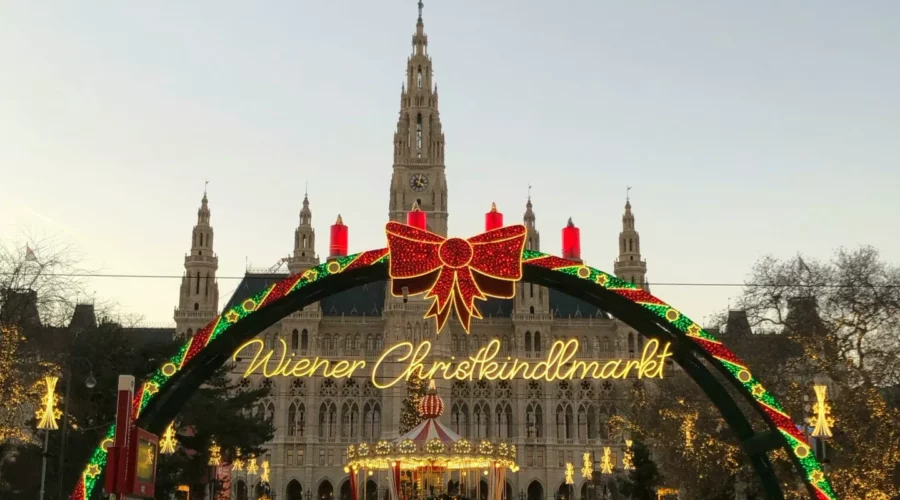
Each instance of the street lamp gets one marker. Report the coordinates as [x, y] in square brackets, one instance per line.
[90, 382]
[47, 416]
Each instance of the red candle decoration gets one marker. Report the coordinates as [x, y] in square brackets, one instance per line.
[416, 217]
[571, 241]
[493, 219]
[339, 239]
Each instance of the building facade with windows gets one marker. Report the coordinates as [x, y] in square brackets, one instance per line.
[316, 418]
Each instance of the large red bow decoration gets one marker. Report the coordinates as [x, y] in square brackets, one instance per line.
[455, 271]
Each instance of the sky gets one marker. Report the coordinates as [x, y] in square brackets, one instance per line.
[744, 129]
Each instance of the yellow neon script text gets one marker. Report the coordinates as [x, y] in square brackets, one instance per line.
[560, 364]
[286, 366]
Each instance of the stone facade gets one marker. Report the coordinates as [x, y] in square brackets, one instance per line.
[316, 418]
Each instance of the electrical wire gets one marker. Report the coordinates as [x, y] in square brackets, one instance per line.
[284, 275]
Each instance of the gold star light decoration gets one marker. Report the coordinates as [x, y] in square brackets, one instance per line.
[237, 464]
[587, 468]
[264, 477]
[570, 473]
[48, 414]
[606, 463]
[821, 419]
[628, 456]
[215, 457]
[168, 442]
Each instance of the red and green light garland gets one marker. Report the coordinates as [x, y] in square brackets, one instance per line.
[147, 391]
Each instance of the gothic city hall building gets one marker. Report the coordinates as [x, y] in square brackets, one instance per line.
[316, 418]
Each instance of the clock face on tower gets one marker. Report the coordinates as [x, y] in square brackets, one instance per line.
[418, 182]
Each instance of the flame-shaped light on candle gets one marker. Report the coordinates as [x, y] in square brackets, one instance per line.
[571, 241]
[416, 217]
[493, 219]
[339, 239]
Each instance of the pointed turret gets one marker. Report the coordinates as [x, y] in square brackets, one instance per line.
[629, 266]
[419, 141]
[530, 299]
[304, 256]
[199, 297]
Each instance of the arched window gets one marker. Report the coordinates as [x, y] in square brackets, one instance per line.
[531, 309]
[504, 421]
[606, 346]
[296, 419]
[482, 420]
[596, 345]
[371, 420]
[564, 421]
[630, 245]
[295, 340]
[378, 342]
[197, 286]
[327, 420]
[527, 341]
[537, 342]
[349, 420]
[409, 332]
[304, 340]
[419, 132]
[534, 420]
[419, 78]
[459, 418]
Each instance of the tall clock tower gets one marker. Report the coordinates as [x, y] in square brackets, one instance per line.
[419, 142]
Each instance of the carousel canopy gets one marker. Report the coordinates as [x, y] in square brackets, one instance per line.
[432, 444]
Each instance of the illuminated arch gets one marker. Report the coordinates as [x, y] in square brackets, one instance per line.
[158, 399]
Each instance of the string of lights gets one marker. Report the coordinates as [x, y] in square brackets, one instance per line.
[259, 276]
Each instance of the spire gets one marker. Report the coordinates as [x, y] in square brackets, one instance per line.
[629, 266]
[304, 256]
[203, 213]
[199, 297]
[421, 5]
[529, 213]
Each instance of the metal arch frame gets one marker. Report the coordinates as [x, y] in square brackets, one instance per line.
[594, 287]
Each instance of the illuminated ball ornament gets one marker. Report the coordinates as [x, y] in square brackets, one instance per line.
[431, 405]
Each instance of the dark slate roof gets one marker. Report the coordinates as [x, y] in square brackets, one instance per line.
[365, 300]
[368, 300]
[566, 306]
[149, 335]
[251, 285]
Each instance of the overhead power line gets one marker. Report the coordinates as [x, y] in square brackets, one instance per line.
[654, 284]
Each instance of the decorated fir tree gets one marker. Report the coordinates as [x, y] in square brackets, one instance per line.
[409, 414]
[641, 481]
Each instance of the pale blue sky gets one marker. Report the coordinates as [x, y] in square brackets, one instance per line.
[745, 128]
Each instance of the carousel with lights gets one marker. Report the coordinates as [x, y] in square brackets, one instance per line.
[421, 463]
